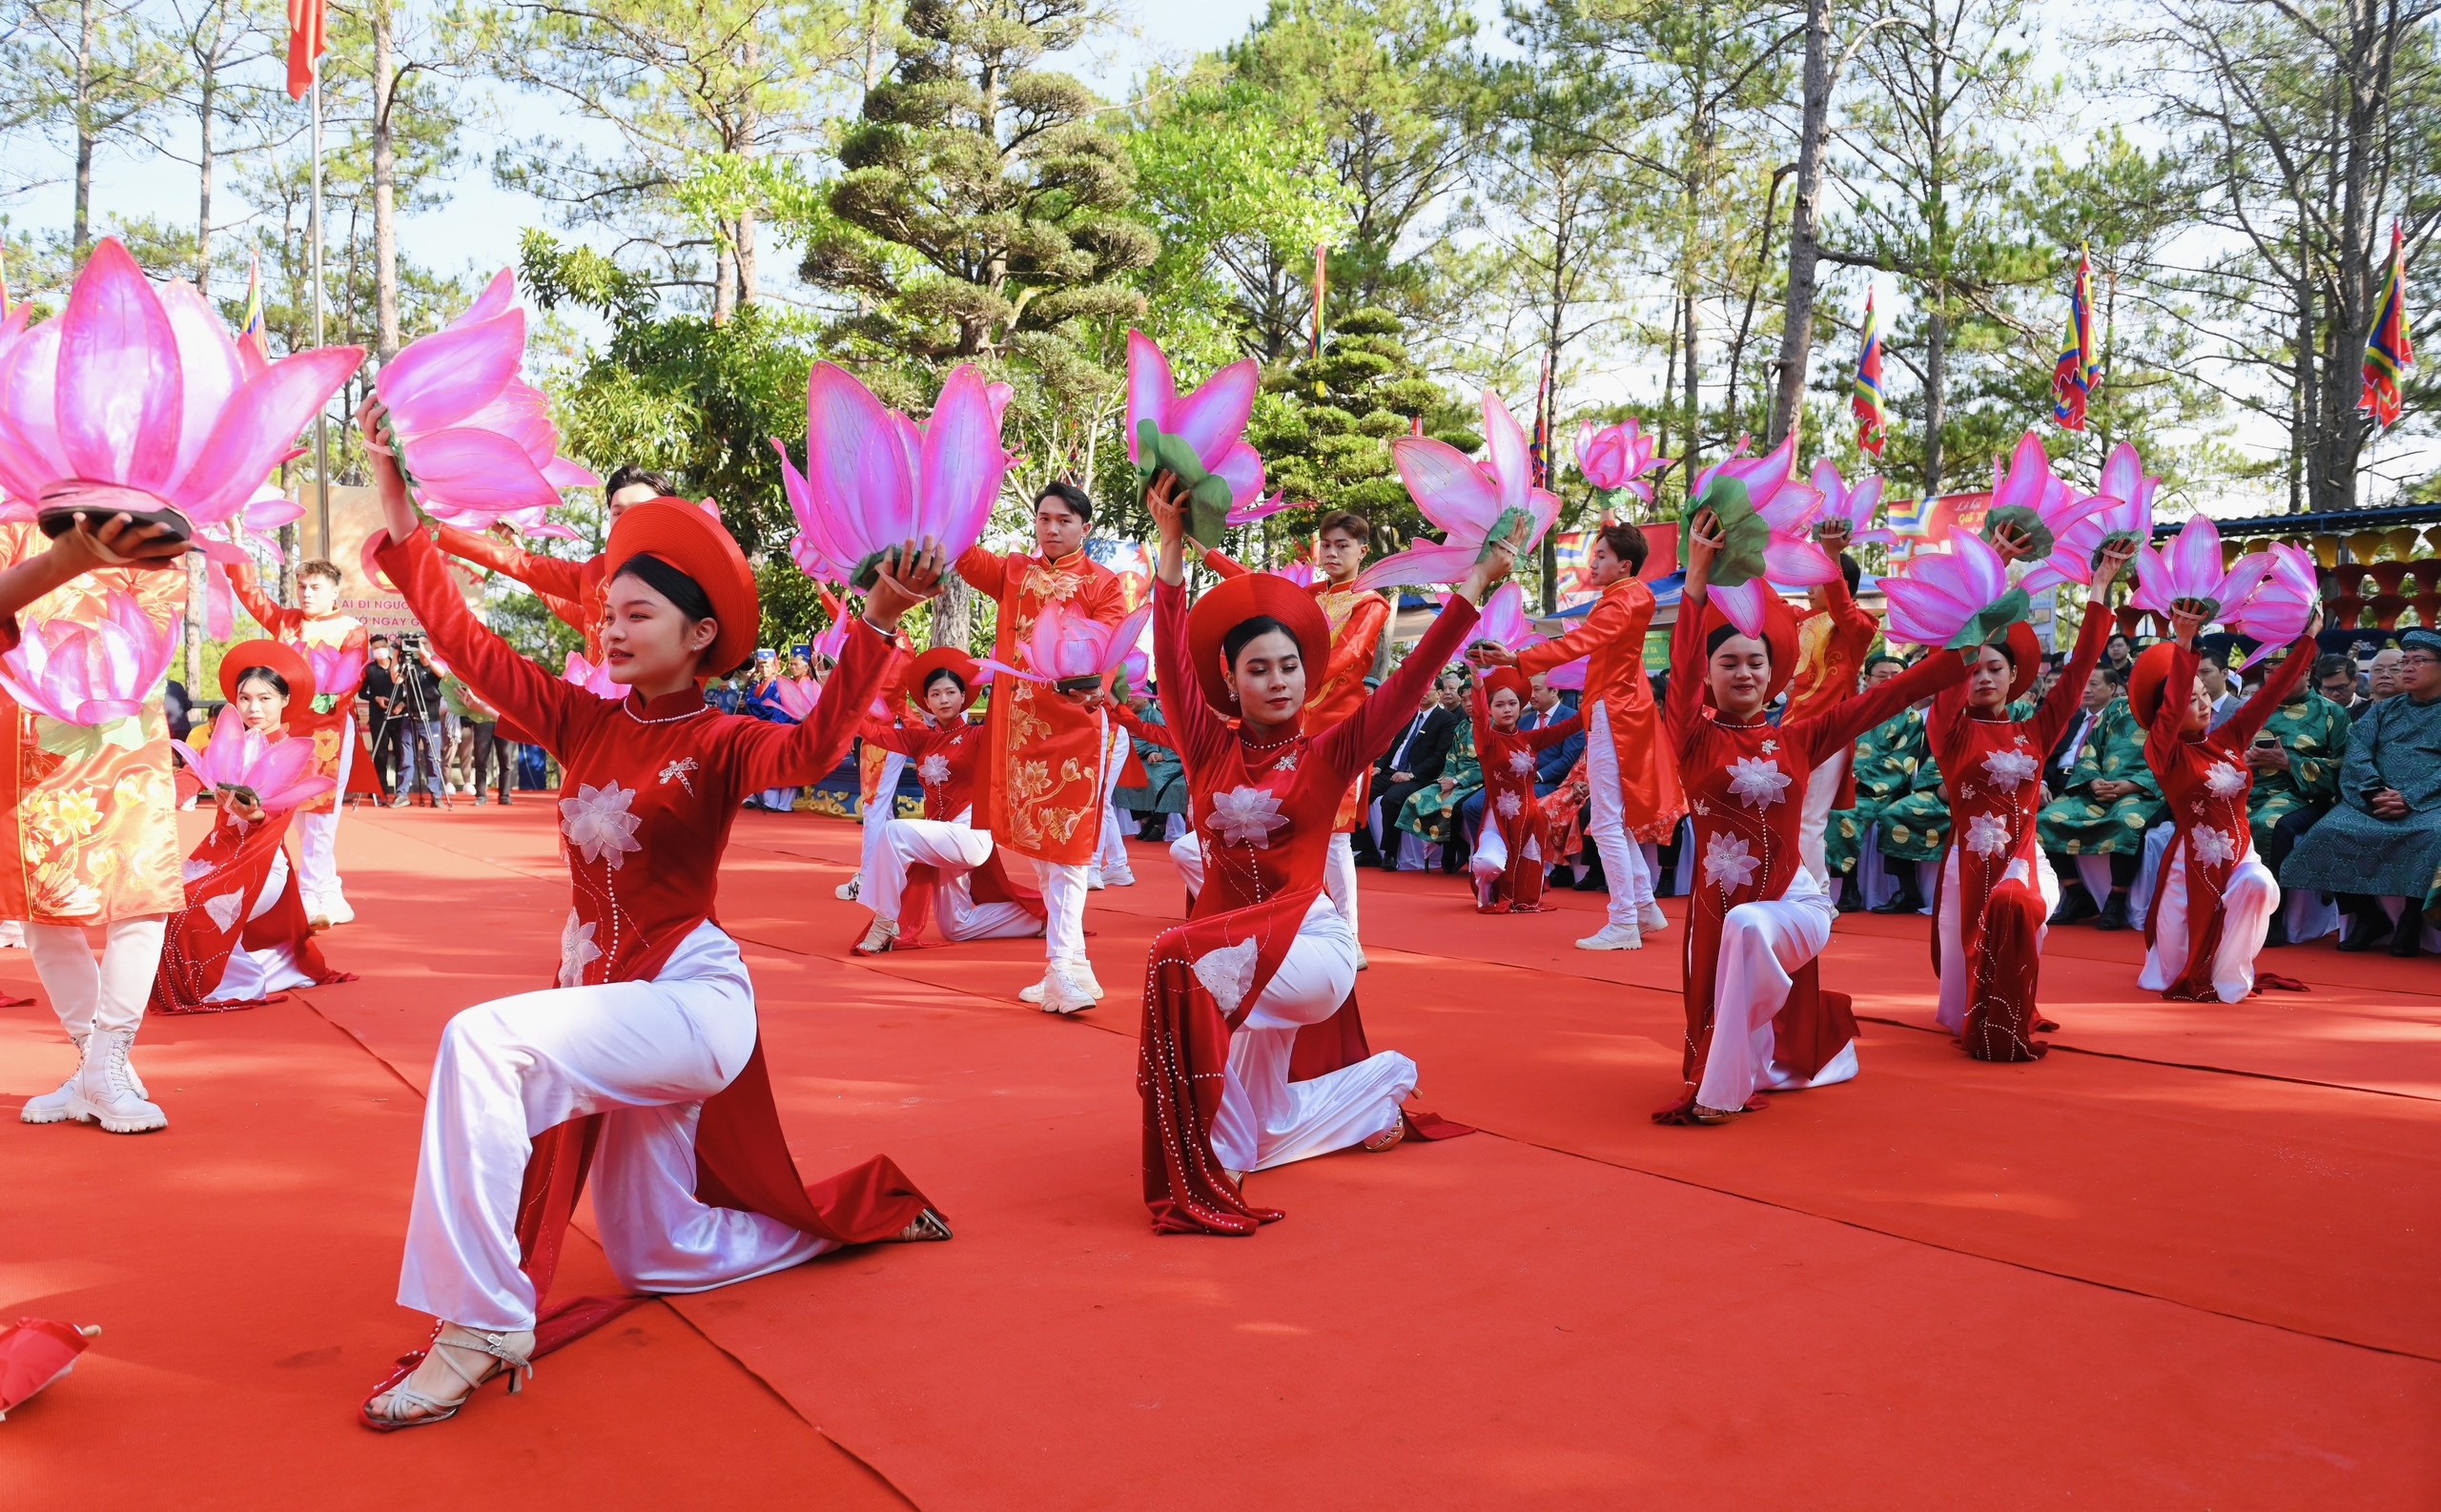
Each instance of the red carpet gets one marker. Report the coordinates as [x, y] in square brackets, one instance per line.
[2187, 1261]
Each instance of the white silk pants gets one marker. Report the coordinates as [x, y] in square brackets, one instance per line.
[1064, 891]
[317, 841]
[1111, 858]
[1821, 792]
[646, 1055]
[2248, 904]
[1762, 947]
[877, 815]
[1186, 852]
[1339, 879]
[252, 975]
[954, 849]
[1623, 861]
[1491, 858]
[109, 994]
[1957, 973]
[1267, 1120]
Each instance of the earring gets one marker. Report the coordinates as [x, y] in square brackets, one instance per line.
[1233, 695]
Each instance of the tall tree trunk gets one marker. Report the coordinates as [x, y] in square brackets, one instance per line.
[385, 178]
[1805, 221]
[81, 218]
[2301, 400]
[951, 613]
[1936, 391]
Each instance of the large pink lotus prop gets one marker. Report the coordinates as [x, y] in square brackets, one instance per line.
[2030, 501]
[1852, 506]
[2190, 569]
[2281, 604]
[92, 681]
[138, 399]
[1504, 621]
[1071, 648]
[1772, 542]
[1262, 509]
[797, 698]
[338, 670]
[1212, 420]
[875, 480]
[1958, 598]
[1466, 498]
[277, 773]
[594, 679]
[2124, 510]
[1300, 573]
[1615, 457]
[475, 439]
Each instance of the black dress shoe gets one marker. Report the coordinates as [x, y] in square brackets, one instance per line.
[2409, 938]
[1906, 900]
[2076, 906]
[2114, 913]
[2370, 932]
[1852, 897]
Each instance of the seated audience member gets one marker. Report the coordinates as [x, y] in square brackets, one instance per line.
[2295, 761]
[2382, 839]
[2382, 675]
[1415, 763]
[1433, 813]
[2335, 680]
[1886, 758]
[2106, 802]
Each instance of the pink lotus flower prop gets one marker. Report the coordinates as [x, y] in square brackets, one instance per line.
[594, 679]
[1958, 598]
[1248, 514]
[1466, 498]
[1504, 621]
[143, 393]
[278, 773]
[1852, 506]
[2123, 509]
[2190, 568]
[2281, 604]
[875, 480]
[1615, 457]
[1068, 648]
[1212, 420]
[797, 698]
[98, 676]
[476, 441]
[2030, 501]
[338, 670]
[1300, 573]
[1782, 551]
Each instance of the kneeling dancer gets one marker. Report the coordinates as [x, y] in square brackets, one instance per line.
[1252, 1055]
[1758, 1018]
[940, 864]
[1512, 853]
[645, 1062]
[2214, 904]
[244, 934]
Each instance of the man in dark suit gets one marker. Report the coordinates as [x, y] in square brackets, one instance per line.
[1415, 762]
[2099, 689]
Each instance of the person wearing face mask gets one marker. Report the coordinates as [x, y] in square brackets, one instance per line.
[316, 625]
[1252, 1054]
[940, 865]
[1634, 795]
[1758, 1018]
[1996, 889]
[646, 1057]
[243, 936]
[1041, 790]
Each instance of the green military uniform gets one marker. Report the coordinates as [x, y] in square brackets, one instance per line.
[2315, 733]
[1916, 827]
[2078, 824]
[1887, 756]
[1430, 814]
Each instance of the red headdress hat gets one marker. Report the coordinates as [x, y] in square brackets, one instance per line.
[1779, 638]
[1509, 678]
[1237, 599]
[2145, 680]
[272, 656]
[943, 659]
[680, 533]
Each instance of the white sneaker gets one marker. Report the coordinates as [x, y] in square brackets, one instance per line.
[1613, 937]
[1033, 993]
[107, 1090]
[1068, 991]
[846, 890]
[1120, 879]
[1094, 882]
[879, 938]
[1650, 920]
[334, 908]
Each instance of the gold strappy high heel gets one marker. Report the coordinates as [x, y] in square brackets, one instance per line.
[505, 1353]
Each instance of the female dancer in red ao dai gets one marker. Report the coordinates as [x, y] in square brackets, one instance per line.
[1514, 853]
[645, 1063]
[1997, 888]
[1758, 1019]
[2216, 898]
[1252, 1055]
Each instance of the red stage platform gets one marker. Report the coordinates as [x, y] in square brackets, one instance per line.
[2189, 1260]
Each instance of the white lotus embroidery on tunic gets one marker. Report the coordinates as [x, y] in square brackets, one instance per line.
[224, 910]
[2213, 847]
[1247, 816]
[2223, 781]
[597, 822]
[1727, 862]
[1510, 805]
[1227, 972]
[1758, 783]
[577, 950]
[2010, 770]
[932, 770]
[1987, 835]
[1521, 762]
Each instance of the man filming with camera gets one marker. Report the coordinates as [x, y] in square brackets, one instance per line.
[415, 708]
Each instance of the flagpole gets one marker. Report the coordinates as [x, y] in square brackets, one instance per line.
[321, 419]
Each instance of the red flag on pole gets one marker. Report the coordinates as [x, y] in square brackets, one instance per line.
[2389, 349]
[306, 43]
[1872, 418]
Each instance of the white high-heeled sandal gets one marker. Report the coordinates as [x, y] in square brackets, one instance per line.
[516, 1362]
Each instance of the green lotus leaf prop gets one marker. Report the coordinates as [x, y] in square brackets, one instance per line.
[1745, 534]
[1209, 496]
[1993, 622]
[869, 571]
[1504, 528]
[2027, 524]
[2117, 538]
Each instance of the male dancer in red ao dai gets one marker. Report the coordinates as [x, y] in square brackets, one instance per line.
[1996, 887]
[645, 1063]
[1758, 1019]
[2216, 898]
[1512, 853]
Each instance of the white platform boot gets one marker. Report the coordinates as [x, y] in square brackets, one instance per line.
[57, 1106]
[106, 1092]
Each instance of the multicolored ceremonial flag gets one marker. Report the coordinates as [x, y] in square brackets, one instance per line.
[1540, 449]
[1873, 419]
[249, 330]
[2074, 376]
[2388, 352]
[306, 43]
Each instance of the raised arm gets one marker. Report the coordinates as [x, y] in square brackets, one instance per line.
[1611, 618]
[2168, 729]
[2242, 727]
[798, 755]
[1837, 727]
[539, 703]
[1195, 730]
[1684, 709]
[552, 577]
[984, 571]
[1221, 565]
[1354, 741]
[279, 621]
